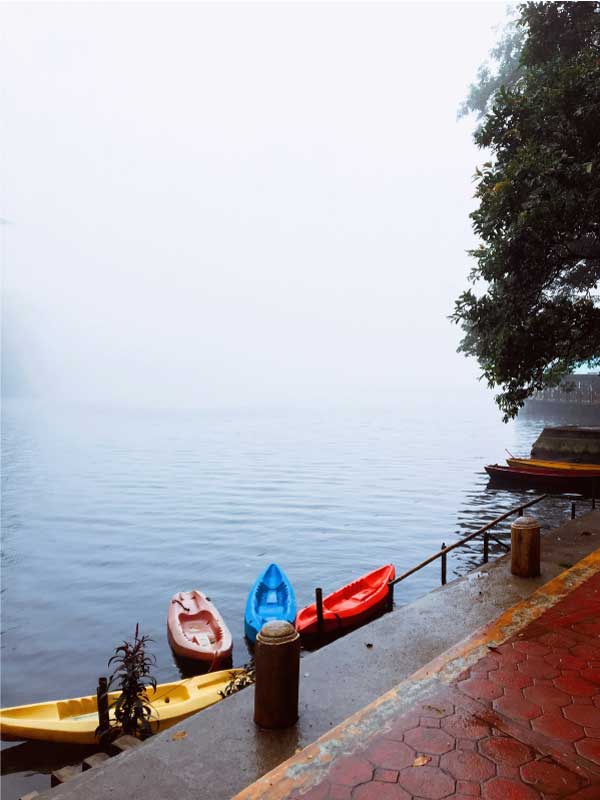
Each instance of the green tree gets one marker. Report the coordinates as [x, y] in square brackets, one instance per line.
[533, 313]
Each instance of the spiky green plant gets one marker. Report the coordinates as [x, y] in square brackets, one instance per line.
[132, 676]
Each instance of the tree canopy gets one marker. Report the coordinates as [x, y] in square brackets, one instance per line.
[533, 313]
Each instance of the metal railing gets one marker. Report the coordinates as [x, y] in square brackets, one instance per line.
[443, 552]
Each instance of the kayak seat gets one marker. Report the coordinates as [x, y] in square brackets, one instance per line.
[271, 611]
[362, 595]
[271, 597]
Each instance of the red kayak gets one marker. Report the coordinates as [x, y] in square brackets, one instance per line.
[196, 629]
[351, 605]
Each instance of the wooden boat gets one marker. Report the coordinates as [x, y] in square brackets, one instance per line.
[196, 629]
[75, 720]
[351, 605]
[555, 466]
[271, 597]
[543, 479]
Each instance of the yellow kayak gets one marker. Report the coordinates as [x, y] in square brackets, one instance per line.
[555, 466]
[76, 720]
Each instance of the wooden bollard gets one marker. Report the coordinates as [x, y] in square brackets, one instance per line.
[525, 547]
[103, 716]
[277, 662]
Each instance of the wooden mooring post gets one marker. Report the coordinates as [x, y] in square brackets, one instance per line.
[390, 604]
[277, 660]
[102, 696]
[444, 557]
[525, 547]
[319, 607]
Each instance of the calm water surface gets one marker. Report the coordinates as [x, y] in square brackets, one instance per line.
[106, 514]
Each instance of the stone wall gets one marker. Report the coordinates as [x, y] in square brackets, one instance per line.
[568, 443]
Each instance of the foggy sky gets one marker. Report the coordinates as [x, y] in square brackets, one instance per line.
[235, 203]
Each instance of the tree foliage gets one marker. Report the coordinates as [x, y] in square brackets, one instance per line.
[503, 68]
[536, 315]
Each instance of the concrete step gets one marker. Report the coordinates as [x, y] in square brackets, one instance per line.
[123, 744]
[94, 761]
[65, 774]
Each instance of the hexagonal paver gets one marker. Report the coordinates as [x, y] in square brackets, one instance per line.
[517, 708]
[586, 650]
[388, 754]
[429, 740]
[538, 668]
[427, 782]
[508, 655]
[487, 663]
[556, 726]
[530, 648]
[386, 775]
[590, 749]
[511, 678]
[583, 715]
[350, 771]
[555, 639]
[571, 683]
[565, 661]
[480, 689]
[465, 726]
[546, 695]
[551, 778]
[467, 765]
[505, 789]
[437, 708]
[590, 628]
[380, 791]
[592, 675]
[503, 750]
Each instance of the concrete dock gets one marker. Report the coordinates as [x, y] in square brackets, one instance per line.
[222, 751]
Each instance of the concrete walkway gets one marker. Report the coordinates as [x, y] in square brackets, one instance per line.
[512, 713]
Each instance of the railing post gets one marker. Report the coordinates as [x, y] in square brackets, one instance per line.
[390, 605]
[444, 564]
[521, 511]
[486, 547]
[319, 606]
[277, 660]
[102, 698]
[573, 510]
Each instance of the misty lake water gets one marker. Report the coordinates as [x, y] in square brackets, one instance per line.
[108, 513]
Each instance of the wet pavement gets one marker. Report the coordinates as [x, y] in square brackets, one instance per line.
[520, 723]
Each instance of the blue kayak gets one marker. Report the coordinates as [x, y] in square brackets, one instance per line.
[271, 597]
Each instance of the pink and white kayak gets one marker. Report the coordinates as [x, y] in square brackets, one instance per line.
[196, 629]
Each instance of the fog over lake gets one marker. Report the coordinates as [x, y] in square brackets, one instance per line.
[237, 204]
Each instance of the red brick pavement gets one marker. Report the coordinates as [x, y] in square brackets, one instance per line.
[523, 723]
